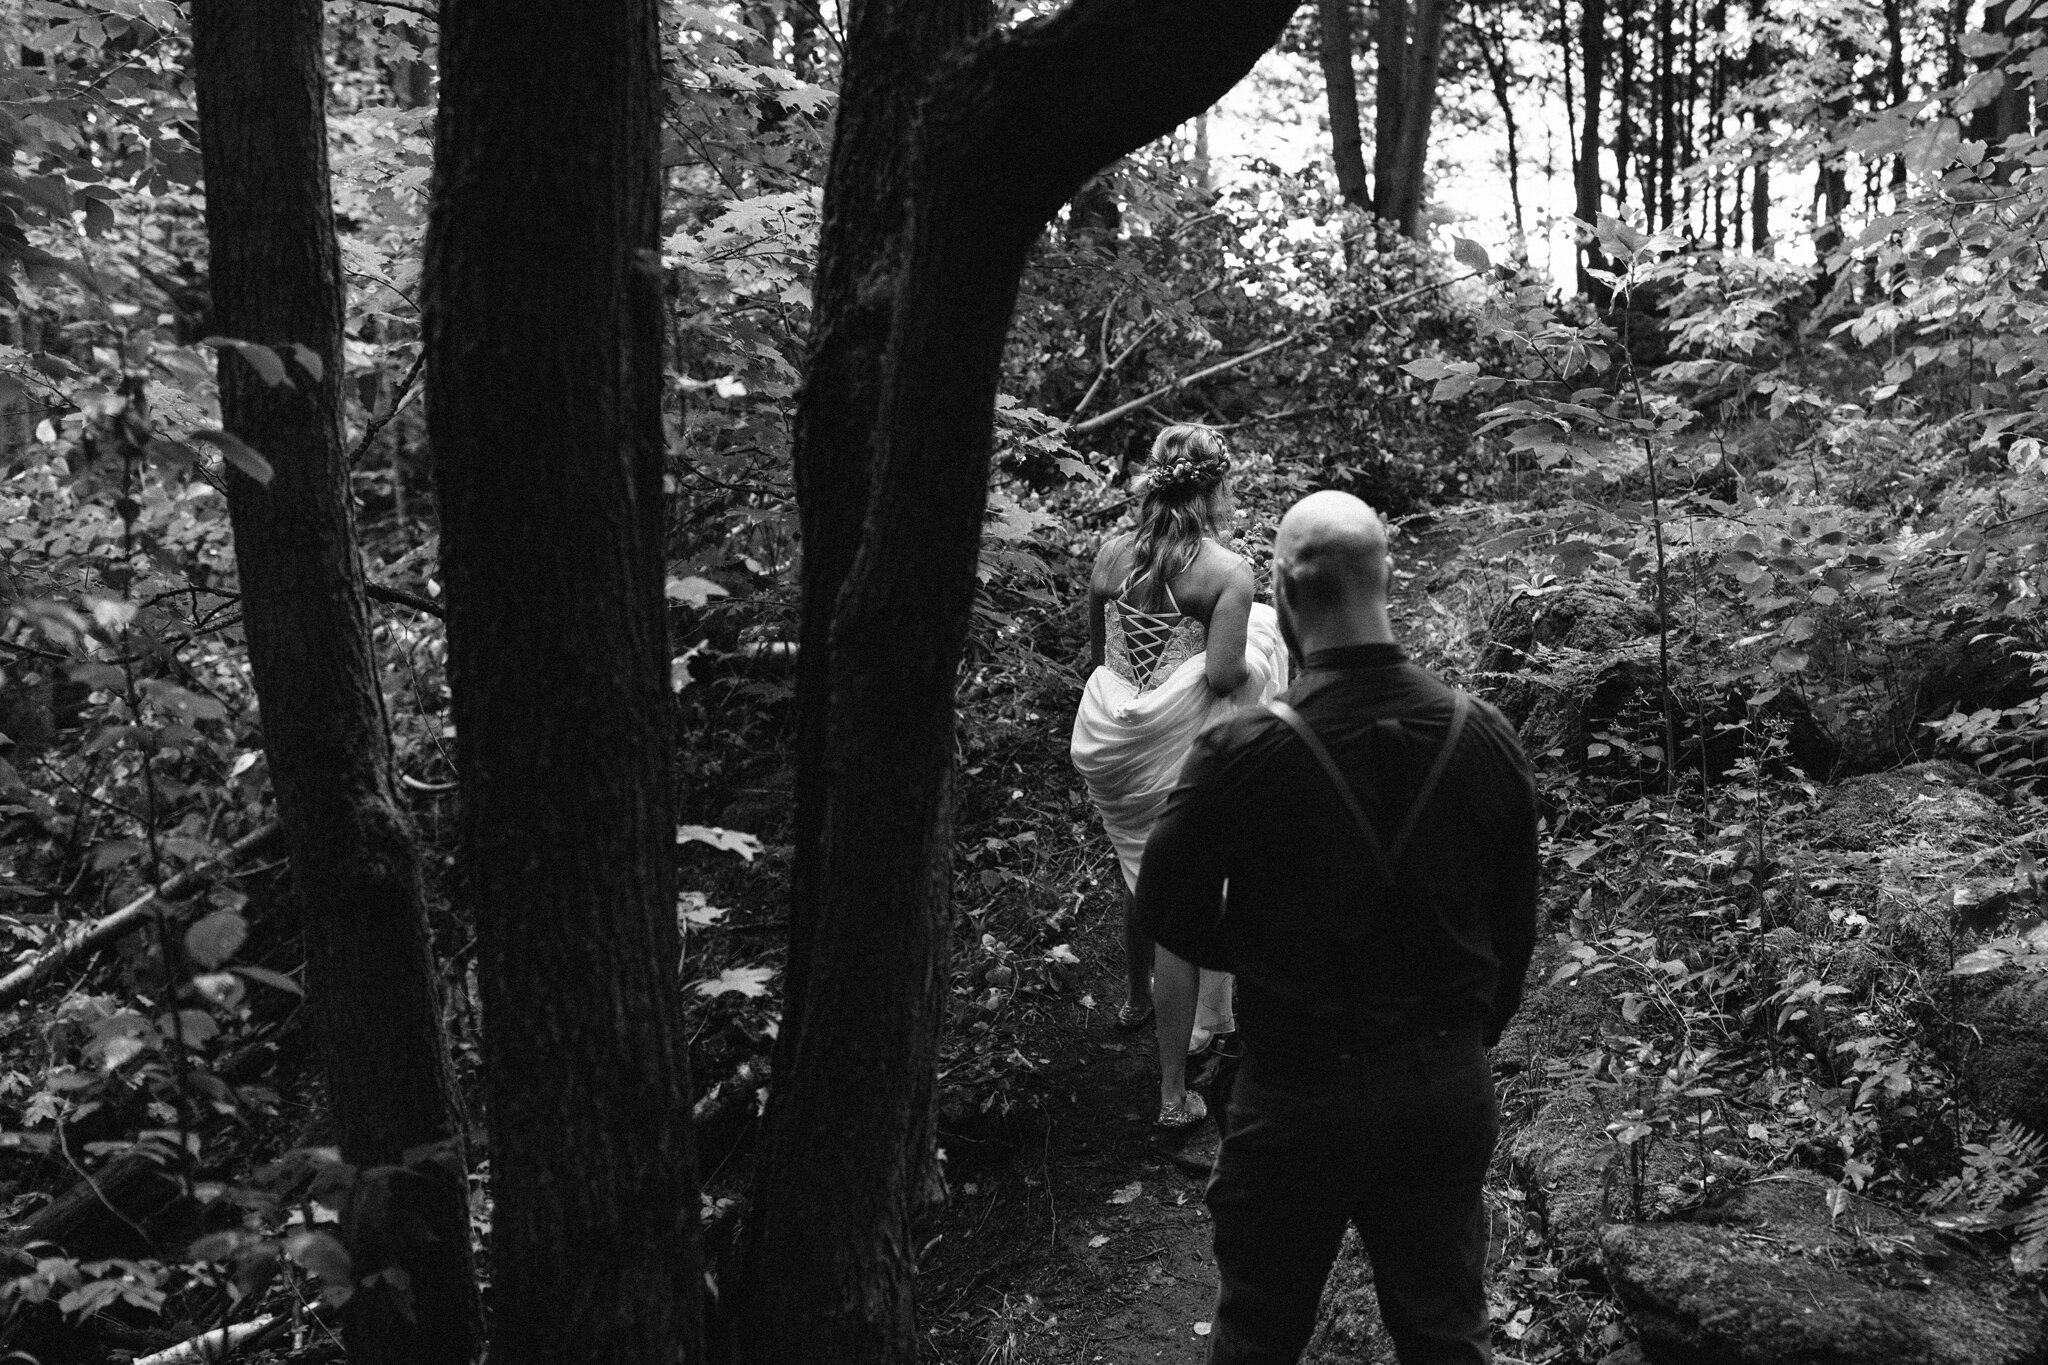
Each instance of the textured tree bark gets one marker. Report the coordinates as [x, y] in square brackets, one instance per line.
[1593, 61]
[1390, 38]
[1418, 92]
[544, 336]
[891, 51]
[1009, 133]
[1759, 59]
[1663, 208]
[1340, 86]
[276, 280]
[1624, 104]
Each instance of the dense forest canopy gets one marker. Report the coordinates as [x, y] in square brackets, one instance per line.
[1696, 344]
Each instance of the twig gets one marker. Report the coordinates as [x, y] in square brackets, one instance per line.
[1107, 509]
[64, 1146]
[400, 597]
[34, 652]
[1287, 416]
[1110, 367]
[421, 10]
[1124, 410]
[397, 402]
[128, 918]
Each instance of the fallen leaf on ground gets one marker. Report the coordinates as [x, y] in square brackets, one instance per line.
[1128, 1192]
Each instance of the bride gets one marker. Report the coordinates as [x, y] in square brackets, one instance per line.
[1175, 642]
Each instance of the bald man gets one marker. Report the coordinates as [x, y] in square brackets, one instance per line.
[1376, 830]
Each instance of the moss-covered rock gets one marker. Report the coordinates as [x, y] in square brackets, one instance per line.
[1772, 1278]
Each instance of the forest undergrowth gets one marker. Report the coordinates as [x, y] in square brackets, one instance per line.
[1751, 966]
[1751, 552]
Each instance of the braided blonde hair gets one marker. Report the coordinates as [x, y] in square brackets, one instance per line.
[1189, 467]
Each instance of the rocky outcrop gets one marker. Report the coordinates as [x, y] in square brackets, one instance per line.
[2007, 1070]
[1769, 1277]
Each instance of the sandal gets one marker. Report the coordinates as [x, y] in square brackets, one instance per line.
[1133, 1014]
[1191, 1110]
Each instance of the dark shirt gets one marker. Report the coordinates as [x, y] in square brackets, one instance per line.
[1326, 959]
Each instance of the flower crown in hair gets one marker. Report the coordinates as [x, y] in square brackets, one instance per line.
[1188, 472]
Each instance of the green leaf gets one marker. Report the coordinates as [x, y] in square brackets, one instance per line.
[327, 1260]
[215, 939]
[1470, 254]
[309, 360]
[746, 981]
[1979, 962]
[268, 365]
[267, 977]
[692, 591]
[1428, 367]
[729, 840]
[238, 453]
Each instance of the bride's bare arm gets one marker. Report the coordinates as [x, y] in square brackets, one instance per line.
[1099, 593]
[1229, 622]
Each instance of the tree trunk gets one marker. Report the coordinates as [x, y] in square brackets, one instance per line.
[543, 327]
[276, 281]
[1571, 102]
[1624, 106]
[1340, 84]
[1493, 50]
[1390, 37]
[1008, 135]
[891, 50]
[1717, 20]
[1665, 204]
[1760, 175]
[1895, 84]
[1418, 90]
[1831, 187]
[1593, 58]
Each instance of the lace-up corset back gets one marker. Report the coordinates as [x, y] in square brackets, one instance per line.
[1145, 647]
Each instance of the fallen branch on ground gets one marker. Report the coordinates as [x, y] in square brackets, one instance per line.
[216, 1345]
[1125, 409]
[129, 917]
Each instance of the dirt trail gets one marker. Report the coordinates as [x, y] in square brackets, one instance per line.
[1077, 1236]
[1046, 1252]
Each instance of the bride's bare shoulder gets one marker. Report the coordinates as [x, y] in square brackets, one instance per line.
[1221, 564]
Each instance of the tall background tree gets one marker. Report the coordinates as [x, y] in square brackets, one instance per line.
[276, 282]
[544, 343]
[1335, 31]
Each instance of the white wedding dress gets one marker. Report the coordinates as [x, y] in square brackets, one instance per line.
[1140, 713]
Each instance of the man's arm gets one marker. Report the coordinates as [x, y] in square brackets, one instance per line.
[1514, 904]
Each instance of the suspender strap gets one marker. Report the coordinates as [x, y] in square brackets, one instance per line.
[1385, 859]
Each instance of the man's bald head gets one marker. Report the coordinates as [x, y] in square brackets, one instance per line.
[1331, 553]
